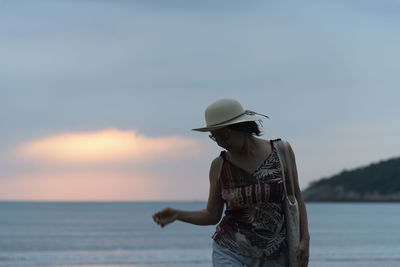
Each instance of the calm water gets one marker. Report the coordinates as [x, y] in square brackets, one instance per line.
[123, 234]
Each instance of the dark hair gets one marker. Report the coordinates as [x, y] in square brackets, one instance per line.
[250, 127]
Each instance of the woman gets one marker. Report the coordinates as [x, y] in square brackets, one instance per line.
[248, 178]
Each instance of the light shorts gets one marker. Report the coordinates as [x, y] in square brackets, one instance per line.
[223, 257]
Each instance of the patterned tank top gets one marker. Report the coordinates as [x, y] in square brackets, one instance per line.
[254, 223]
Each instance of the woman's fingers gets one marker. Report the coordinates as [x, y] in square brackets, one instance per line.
[300, 258]
[156, 217]
[302, 254]
[163, 217]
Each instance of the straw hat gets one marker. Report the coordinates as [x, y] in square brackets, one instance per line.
[225, 112]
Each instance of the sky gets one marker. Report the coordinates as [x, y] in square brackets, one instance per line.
[98, 98]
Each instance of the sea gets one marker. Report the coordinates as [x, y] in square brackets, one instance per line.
[120, 234]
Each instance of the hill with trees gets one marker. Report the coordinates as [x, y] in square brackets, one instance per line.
[376, 182]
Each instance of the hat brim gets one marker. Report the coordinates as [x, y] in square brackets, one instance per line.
[242, 118]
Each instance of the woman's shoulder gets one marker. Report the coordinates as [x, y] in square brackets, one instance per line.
[280, 142]
[215, 168]
[219, 160]
[275, 140]
[267, 143]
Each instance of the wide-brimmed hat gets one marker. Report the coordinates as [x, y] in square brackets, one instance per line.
[226, 112]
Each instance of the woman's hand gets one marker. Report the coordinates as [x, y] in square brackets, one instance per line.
[302, 253]
[165, 216]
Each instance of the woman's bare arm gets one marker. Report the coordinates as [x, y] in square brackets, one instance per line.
[208, 216]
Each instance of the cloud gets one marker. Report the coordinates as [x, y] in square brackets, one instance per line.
[105, 165]
[111, 145]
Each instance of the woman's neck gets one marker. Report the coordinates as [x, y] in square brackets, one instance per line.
[248, 147]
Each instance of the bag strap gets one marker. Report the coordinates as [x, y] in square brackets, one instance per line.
[283, 169]
[289, 165]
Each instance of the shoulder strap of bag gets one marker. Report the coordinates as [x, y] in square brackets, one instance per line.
[289, 165]
[282, 168]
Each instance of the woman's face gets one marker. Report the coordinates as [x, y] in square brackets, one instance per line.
[221, 137]
[228, 139]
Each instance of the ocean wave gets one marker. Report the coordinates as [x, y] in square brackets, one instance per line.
[105, 257]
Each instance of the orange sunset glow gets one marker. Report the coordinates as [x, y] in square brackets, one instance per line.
[79, 186]
[86, 166]
[105, 145]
